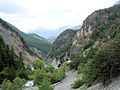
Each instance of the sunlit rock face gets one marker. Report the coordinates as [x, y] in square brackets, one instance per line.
[15, 43]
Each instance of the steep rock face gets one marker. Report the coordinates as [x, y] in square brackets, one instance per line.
[99, 27]
[14, 41]
[61, 47]
[34, 40]
[39, 46]
[83, 34]
[63, 39]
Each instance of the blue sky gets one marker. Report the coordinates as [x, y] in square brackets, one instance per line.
[29, 15]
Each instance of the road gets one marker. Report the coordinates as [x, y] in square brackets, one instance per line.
[65, 84]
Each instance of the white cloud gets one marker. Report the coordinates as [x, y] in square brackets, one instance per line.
[33, 14]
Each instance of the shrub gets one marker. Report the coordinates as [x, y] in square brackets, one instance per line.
[11, 65]
[16, 85]
[103, 65]
[76, 60]
[89, 44]
[77, 83]
[50, 69]
[38, 64]
[95, 35]
[45, 84]
[7, 85]
[38, 76]
[58, 75]
[31, 77]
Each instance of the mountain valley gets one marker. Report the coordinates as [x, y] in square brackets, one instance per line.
[85, 57]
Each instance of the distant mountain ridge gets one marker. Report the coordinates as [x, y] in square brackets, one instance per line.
[117, 2]
[46, 33]
[37, 36]
[16, 42]
[34, 40]
[51, 39]
[76, 27]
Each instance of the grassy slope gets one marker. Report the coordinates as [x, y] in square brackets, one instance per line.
[32, 41]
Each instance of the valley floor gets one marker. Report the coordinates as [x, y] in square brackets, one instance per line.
[71, 76]
[65, 84]
[115, 85]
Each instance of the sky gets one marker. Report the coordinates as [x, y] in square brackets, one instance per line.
[29, 15]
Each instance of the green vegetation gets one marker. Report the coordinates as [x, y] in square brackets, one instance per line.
[37, 64]
[13, 72]
[39, 44]
[62, 45]
[32, 41]
[101, 62]
[11, 66]
[30, 72]
[7, 26]
[61, 50]
[15, 85]
[77, 83]
[58, 75]
[89, 44]
[76, 60]
[28, 40]
[45, 85]
[99, 65]
[109, 25]
[45, 76]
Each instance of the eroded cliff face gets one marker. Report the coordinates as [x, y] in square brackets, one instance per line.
[14, 41]
[61, 47]
[96, 27]
[83, 34]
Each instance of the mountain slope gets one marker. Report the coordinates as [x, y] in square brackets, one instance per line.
[37, 36]
[99, 27]
[15, 42]
[33, 41]
[46, 32]
[11, 65]
[61, 47]
[95, 50]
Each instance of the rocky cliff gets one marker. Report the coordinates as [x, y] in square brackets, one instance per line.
[98, 36]
[99, 27]
[34, 40]
[15, 42]
[61, 47]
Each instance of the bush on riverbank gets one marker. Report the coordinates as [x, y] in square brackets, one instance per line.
[45, 76]
[15, 85]
[58, 75]
[77, 83]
